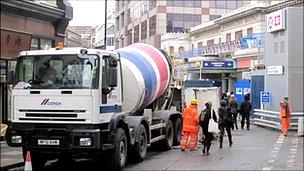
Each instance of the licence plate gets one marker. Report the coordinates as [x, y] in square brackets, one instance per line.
[48, 142]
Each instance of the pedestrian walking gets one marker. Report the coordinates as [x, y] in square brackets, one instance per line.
[225, 121]
[285, 112]
[205, 116]
[245, 110]
[232, 104]
[190, 125]
[224, 95]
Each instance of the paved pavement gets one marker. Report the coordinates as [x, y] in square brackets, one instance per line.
[257, 149]
[10, 156]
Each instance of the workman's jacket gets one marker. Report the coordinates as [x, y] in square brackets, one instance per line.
[190, 119]
[285, 109]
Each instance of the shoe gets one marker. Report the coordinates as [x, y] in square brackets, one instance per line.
[221, 146]
[183, 149]
[230, 144]
[203, 150]
[248, 129]
[207, 154]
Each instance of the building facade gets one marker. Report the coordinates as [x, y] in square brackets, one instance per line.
[72, 39]
[100, 35]
[145, 21]
[85, 32]
[25, 25]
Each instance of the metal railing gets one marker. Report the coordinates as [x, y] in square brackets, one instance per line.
[272, 119]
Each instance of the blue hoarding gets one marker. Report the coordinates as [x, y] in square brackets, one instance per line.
[241, 89]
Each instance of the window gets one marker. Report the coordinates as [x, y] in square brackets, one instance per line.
[238, 35]
[197, 3]
[239, 3]
[231, 4]
[40, 43]
[136, 34]
[144, 30]
[152, 4]
[212, 4]
[189, 3]
[178, 3]
[34, 44]
[110, 41]
[249, 31]
[282, 46]
[152, 26]
[129, 37]
[200, 45]
[276, 48]
[171, 50]
[181, 22]
[213, 17]
[228, 37]
[220, 4]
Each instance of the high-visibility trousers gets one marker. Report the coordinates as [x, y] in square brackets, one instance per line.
[193, 140]
[285, 125]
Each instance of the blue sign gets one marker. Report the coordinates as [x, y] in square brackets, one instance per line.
[218, 64]
[241, 89]
[265, 97]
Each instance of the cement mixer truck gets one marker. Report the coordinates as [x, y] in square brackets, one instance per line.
[78, 102]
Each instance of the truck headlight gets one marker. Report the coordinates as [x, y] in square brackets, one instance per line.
[85, 141]
[16, 139]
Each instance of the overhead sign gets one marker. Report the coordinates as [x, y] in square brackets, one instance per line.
[276, 21]
[217, 64]
[275, 70]
[265, 97]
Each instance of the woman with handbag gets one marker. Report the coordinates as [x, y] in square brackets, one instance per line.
[204, 123]
[225, 122]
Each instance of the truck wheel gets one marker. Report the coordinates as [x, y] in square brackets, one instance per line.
[177, 131]
[139, 150]
[119, 156]
[168, 141]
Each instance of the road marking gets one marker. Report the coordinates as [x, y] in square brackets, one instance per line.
[274, 152]
[292, 153]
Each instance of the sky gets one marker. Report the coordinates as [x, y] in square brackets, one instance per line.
[89, 12]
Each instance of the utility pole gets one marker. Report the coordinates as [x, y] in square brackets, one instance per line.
[105, 25]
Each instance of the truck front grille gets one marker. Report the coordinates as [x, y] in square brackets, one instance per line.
[52, 115]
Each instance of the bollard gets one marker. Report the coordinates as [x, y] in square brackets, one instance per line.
[300, 126]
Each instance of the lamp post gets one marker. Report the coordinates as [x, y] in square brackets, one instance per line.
[105, 24]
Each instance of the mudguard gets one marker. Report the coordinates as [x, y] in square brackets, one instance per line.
[134, 123]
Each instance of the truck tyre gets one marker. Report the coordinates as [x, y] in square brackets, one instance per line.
[177, 131]
[118, 157]
[168, 141]
[139, 150]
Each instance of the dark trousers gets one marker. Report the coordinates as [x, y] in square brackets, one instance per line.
[247, 117]
[235, 121]
[207, 141]
[222, 131]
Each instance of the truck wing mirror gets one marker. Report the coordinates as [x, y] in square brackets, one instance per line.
[112, 77]
[10, 77]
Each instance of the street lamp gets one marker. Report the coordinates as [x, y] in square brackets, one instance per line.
[105, 24]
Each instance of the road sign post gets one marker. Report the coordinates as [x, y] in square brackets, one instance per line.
[265, 97]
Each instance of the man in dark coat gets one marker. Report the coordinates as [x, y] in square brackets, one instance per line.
[225, 121]
[245, 110]
[204, 123]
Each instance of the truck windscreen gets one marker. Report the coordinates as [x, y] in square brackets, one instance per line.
[57, 72]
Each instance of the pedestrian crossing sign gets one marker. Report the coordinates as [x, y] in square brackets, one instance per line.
[265, 97]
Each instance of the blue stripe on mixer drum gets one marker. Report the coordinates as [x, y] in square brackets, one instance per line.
[146, 70]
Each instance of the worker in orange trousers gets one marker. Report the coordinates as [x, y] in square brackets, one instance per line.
[285, 112]
[190, 125]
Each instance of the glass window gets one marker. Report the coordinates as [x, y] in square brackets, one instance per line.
[276, 48]
[282, 46]
[152, 26]
[45, 43]
[238, 35]
[58, 72]
[212, 4]
[213, 17]
[170, 3]
[189, 3]
[152, 4]
[34, 44]
[136, 34]
[249, 31]
[144, 30]
[169, 22]
[197, 3]
[228, 37]
[231, 4]
[221, 4]
[178, 3]
[239, 3]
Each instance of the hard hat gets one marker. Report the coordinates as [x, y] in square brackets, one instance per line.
[286, 97]
[193, 102]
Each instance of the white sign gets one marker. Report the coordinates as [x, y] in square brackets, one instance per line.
[275, 21]
[275, 70]
[246, 75]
